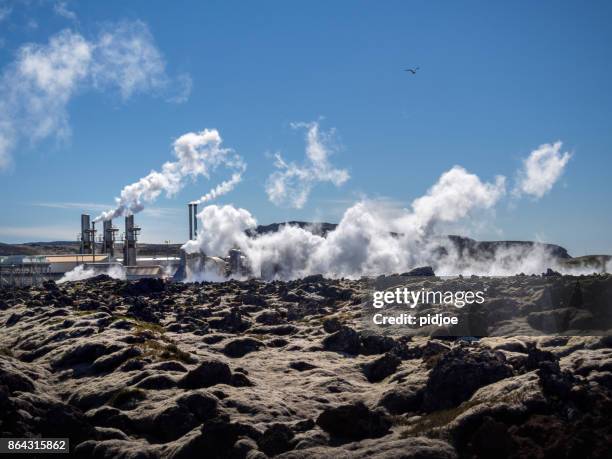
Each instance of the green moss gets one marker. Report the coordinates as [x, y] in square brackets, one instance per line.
[160, 351]
[437, 419]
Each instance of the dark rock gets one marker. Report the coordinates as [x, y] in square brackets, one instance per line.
[230, 322]
[144, 286]
[331, 325]
[551, 273]
[240, 380]
[157, 382]
[421, 271]
[379, 369]
[241, 347]
[459, 373]
[269, 318]
[276, 439]
[354, 422]
[206, 374]
[344, 340]
[400, 400]
[301, 365]
[217, 438]
[199, 403]
[376, 344]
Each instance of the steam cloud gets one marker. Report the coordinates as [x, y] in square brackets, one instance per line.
[291, 184]
[36, 87]
[541, 170]
[370, 238]
[81, 273]
[374, 239]
[198, 154]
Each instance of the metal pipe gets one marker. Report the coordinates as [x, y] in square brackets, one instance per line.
[190, 221]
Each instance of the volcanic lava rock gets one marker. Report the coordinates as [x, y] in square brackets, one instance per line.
[145, 286]
[331, 325]
[241, 347]
[354, 422]
[217, 438]
[344, 340]
[459, 373]
[426, 271]
[379, 369]
[399, 400]
[276, 439]
[376, 344]
[206, 374]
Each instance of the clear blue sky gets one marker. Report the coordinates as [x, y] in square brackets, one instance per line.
[496, 80]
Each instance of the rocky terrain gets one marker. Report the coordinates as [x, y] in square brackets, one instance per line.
[152, 369]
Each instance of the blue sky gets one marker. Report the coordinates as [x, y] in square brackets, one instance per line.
[495, 82]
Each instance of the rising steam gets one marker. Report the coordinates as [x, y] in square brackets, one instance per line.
[374, 239]
[197, 154]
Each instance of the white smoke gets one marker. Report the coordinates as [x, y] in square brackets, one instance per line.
[37, 86]
[81, 273]
[224, 187]
[291, 184]
[541, 170]
[373, 238]
[197, 154]
[370, 238]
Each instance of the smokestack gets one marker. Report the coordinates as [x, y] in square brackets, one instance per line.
[190, 221]
[108, 238]
[129, 244]
[86, 239]
[195, 220]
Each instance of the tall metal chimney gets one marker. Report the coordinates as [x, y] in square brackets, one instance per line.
[86, 239]
[195, 220]
[190, 221]
[129, 244]
[108, 238]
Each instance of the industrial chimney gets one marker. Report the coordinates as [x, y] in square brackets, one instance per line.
[129, 244]
[86, 235]
[108, 238]
[193, 220]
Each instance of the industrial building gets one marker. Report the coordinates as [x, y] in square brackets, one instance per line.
[99, 253]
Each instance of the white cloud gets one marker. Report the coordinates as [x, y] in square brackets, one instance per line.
[541, 170]
[292, 183]
[37, 86]
[61, 9]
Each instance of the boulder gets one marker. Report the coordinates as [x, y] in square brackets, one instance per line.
[206, 374]
[344, 340]
[354, 422]
[241, 347]
[380, 368]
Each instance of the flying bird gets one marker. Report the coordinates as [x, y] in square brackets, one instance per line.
[413, 71]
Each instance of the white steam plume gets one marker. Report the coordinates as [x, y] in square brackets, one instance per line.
[370, 238]
[225, 186]
[37, 86]
[81, 273]
[197, 153]
[541, 170]
[291, 184]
